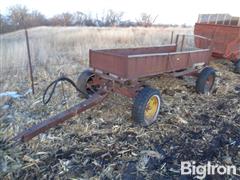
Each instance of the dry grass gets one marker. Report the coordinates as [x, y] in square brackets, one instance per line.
[56, 49]
[50, 44]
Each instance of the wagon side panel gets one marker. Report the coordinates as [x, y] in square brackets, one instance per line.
[108, 63]
[178, 61]
[199, 57]
[233, 49]
[184, 60]
[146, 66]
[204, 30]
[222, 37]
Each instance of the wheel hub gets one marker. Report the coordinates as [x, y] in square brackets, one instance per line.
[152, 108]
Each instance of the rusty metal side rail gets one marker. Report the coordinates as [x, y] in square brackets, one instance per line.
[59, 118]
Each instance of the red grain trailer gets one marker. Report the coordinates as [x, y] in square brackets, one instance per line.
[224, 31]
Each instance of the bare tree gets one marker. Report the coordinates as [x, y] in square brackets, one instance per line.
[36, 19]
[17, 16]
[146, 20]
[89, 21]
[64, 19]
[55, 21]
[79, 18]
[4, 26]
[67, 19]
[112, 18]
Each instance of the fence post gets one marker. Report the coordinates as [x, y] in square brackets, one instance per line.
[172, 37]
[176, 41]
[29, 60]
[183, 39]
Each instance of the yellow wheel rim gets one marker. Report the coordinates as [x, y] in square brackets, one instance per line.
[152, 108]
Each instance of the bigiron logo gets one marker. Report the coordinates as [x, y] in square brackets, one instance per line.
[201, 171]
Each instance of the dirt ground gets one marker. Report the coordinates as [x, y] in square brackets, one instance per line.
[105, 143]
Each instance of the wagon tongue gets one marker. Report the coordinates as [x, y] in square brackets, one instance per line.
[59, 118]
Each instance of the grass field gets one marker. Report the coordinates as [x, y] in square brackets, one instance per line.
[51, 44]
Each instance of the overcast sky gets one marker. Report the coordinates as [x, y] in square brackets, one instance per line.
[168, 11]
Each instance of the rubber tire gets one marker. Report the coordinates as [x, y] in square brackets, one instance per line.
[140, 103]
[82, 81]
[202, 80]
[237, 67]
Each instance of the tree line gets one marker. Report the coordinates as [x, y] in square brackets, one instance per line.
[19, 17]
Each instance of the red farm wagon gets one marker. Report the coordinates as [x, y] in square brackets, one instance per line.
[123, 71]
[224, 31]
